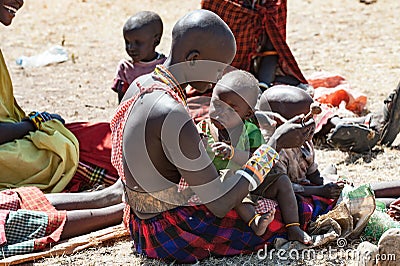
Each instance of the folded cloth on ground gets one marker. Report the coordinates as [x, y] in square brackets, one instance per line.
[28, 221]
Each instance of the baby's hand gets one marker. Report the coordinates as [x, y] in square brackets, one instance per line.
[332, 190]
[223, 150]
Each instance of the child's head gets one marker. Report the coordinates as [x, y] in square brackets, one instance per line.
[233, 99]
[142, 33]
[202, 47]
[288, 101]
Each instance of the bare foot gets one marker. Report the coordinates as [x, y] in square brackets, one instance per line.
[261, 223]
[295, 233]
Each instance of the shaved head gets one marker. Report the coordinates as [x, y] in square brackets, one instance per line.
[242, 83]
[202, 30]
[286, 100]
[142, 19]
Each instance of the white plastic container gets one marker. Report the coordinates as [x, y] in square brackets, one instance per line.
[55, 54]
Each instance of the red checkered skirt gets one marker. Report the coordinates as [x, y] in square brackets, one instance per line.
[248, 25]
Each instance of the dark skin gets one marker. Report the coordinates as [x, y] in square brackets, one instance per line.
[288, 102]
[97, 209]
[170, 122]
[141, 39]
[89, 211]
[12, 131]
[140, 43]
[230, 105]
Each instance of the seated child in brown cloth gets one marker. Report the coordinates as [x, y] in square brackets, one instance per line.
[231, 139]
[298, 163]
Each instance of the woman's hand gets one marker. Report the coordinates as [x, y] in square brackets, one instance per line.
[292, 133]
[38, 118]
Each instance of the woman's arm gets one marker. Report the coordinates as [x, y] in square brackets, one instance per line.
[181, 140]
[12, 131]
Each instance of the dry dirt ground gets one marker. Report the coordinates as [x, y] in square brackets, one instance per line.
[347, 37]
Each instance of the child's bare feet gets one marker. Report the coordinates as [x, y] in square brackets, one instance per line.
[261, 223]
[295, 233]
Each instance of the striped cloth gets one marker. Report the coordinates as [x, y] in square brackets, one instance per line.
[189, 234]
[248, 25]
[29, 222]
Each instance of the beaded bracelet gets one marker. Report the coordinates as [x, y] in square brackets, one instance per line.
[35, 118]
[258, 166]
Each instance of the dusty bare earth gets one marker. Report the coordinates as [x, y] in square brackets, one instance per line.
[347, 37]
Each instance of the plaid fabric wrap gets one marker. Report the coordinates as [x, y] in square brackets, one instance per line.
[32, 198]
[34, 225]
[88, 176]
[189, 234]
[22, 227]
[248, 25]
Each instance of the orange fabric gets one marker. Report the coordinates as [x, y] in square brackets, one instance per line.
[333, 89]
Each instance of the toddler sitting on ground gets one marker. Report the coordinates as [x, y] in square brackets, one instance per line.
[298, 163]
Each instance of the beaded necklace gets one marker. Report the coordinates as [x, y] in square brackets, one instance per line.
[162, 74]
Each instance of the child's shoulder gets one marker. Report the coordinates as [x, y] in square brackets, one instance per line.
[125, 63]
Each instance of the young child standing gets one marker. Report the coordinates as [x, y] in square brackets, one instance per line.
[231, 140]
[142, 33]
[298, 163]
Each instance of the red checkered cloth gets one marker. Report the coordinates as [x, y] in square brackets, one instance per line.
[32, 199]
[248, 25]
[9, 201]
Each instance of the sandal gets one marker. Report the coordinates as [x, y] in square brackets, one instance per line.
[391, 114]
[353, 137]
